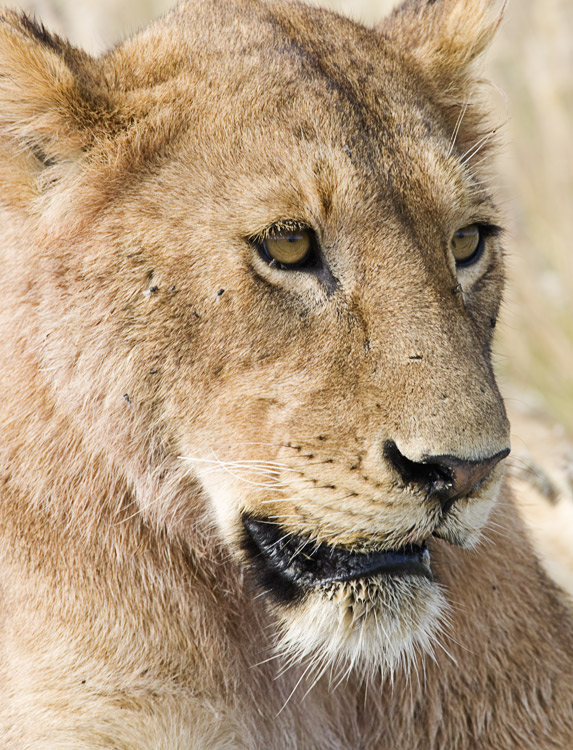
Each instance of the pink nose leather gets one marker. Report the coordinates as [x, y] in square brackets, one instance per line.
[445, 477]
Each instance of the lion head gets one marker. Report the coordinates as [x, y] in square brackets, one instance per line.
[267, 270]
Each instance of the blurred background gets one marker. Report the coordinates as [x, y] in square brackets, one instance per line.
[532, 63]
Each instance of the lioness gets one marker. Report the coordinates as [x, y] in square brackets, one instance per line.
[251, 442]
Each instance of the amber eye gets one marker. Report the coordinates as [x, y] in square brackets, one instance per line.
[467, 245]
[288, 248]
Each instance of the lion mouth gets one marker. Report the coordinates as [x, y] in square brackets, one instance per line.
[285, 562]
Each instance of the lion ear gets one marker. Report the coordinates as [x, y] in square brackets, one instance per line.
[49, 100]
[444, 36]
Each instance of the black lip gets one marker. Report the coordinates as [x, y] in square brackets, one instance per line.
[284, 561]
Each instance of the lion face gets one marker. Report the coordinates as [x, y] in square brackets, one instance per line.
[290, 269]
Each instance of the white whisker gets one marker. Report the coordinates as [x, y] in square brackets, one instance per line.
[476, 148]
[457, 128]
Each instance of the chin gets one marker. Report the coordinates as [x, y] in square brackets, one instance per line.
[339, 609]
[380, 624]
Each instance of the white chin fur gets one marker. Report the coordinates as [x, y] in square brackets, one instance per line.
[369, 626]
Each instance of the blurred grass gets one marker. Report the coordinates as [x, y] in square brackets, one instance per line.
[532, 61]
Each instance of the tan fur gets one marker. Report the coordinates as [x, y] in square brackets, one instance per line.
[159, 378]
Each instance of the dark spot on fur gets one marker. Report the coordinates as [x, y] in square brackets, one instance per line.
[389, 180]
[172, 288]
[458, 289]
[220, 293]
[153, 372]
[41, 155]
[493, 323]
[127, 398]
[329, 461]
[310, 455]
[305, 131]
[196, 314]
[39, 32]
[415, 356]
[321, 437]
[154, 289]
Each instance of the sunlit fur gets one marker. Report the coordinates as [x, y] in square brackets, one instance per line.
[162, 381]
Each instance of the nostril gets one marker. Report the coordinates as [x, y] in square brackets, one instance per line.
[445, 477]
[417, 472]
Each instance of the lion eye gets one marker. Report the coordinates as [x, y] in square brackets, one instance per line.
[467, 245]
[289, 248]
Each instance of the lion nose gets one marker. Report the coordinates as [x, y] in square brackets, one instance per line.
[446, 478]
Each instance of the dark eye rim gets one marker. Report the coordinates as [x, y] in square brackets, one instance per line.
[309, 262]
[485, 232]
